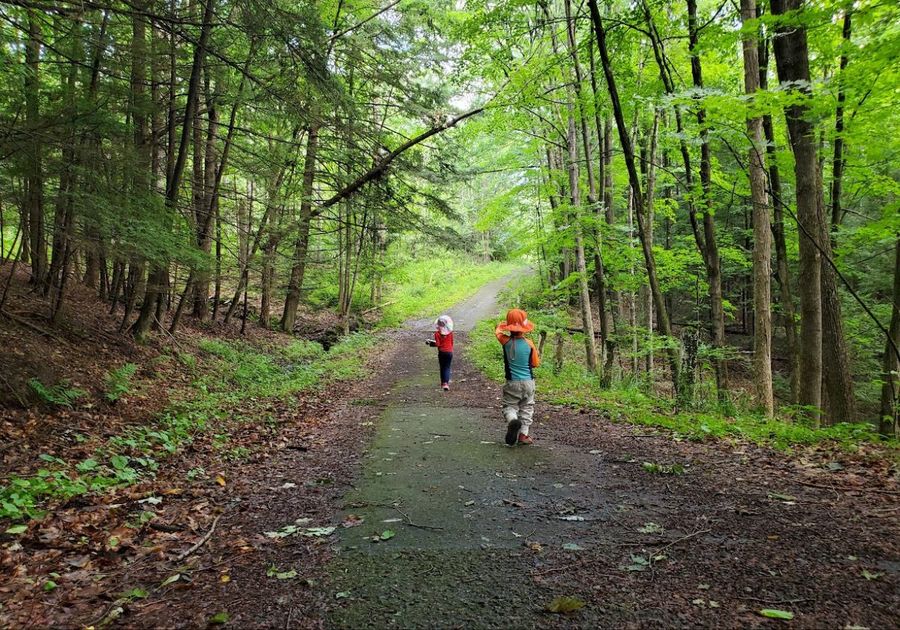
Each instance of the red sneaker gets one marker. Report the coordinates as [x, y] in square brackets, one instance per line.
[525, 439]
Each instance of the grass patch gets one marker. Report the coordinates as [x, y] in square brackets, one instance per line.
[431, 286]
[229, 376]
[627, 401]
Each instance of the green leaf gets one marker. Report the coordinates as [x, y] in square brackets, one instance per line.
[87, 465]
[16, 529]
[136, 593]
[219, 618]
[49, 585]
[871, 575]
[387, 534]
[119, 462]
[562, 605]
[319, 531]
[171, 579]
[275, 572]
[774, 613]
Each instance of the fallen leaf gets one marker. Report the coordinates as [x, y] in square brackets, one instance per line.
[136, 593]
[774, 613]
[342, 595]
[219, 618]
[319, 531]
[562, 605]
[221, 481]
[871, 575]
[352, 520]
[16, 529]
[171, 579]
[49, 585]
[224, 578]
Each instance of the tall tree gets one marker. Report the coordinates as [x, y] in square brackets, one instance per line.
[762, 246]
[792, 60]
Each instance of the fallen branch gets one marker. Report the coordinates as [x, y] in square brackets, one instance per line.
[846, 489]
[200, 542]
[34, 327]
[379, 306]
[410, 522]
[775, 602]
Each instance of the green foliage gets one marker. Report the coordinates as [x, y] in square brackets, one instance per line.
[233, 374]
[118, 382]
[62, 394]
[626, 401]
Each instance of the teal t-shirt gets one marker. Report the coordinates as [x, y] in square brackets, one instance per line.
[517, 359]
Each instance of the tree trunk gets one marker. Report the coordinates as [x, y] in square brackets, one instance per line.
[713, 263]
[838, 164]
[792, 60]
[782, 270]
[762, 246]
[301, 244]
[208, 203]
[889, 424]
[587, 317]
[34, 178]
[158, 278]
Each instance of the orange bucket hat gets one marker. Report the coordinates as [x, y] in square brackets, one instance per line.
[517, 321]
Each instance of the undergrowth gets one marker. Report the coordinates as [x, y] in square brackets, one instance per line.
[228, 376]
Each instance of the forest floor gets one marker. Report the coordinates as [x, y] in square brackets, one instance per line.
[388, 503]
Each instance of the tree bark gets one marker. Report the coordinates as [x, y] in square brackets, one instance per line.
[587, 317]
[34, 178]
[713, 263]
[792, 60]
[889, 423]
[782, 270]
[301, 244]
[762, 246]
[159, 273]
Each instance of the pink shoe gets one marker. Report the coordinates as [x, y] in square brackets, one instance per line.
[445, 387]
[525, 439]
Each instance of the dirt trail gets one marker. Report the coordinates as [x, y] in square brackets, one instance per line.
[480, 535]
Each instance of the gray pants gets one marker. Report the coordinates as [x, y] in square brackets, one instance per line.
[518, 402]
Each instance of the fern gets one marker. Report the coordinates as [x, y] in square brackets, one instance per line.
[61, 394]
[118, 382]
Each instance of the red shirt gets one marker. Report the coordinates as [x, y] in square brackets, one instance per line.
[444, 342]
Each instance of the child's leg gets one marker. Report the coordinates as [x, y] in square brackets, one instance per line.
[510, 401]
[526, 405]
[444, 359]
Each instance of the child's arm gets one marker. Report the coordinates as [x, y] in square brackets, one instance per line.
[535, 358]
[501, 336]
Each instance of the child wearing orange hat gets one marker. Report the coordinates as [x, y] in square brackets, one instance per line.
[520, 357]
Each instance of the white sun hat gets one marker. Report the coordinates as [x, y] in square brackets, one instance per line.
[444, 324]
